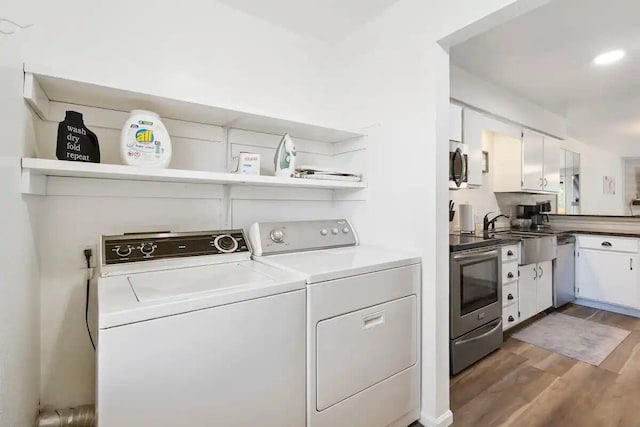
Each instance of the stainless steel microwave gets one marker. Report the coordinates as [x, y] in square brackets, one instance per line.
[458, 165]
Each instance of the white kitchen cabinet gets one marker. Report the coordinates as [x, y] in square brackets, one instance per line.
[532, 165]
[552, 155]
[607, 276]
[544, 285]
[532, 160]
[528, 291]
[535, 290]
[472, 128]
[455, 123]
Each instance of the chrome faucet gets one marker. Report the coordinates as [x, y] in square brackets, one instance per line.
[486, 223]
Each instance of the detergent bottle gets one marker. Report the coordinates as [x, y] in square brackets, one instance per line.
[145, 141]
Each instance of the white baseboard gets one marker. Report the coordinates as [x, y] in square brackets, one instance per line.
[443, 420]
[608, 307]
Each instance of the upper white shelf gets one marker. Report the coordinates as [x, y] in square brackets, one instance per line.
[42, 86]
[32, 169]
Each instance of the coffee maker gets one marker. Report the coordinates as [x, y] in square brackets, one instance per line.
[538, 214]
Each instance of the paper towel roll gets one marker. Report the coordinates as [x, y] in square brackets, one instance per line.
[466, 218]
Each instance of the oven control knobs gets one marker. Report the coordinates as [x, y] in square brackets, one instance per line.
[147, 249]
[123, 251]
[510, 297]
[510, 275]
[511, 319]
[225, 243]
[277, 235]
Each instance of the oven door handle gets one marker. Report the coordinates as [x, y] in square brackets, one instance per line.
[479, 337]
[476, 256]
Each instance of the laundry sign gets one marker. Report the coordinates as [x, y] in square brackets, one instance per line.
[75, 141]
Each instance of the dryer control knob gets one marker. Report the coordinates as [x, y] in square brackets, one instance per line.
[277, 235]
[346, 230]
[324, 232]
[334, 231]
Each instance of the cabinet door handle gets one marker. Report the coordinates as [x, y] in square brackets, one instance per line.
[535, 270]
[510, 297]
[509, 253]
[510, 275]
[541, 182]
[631, 264]
[607, 244]
[546, 182]
[541, 272]
[511, 319]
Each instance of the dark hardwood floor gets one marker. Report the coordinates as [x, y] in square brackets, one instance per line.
[521, 385]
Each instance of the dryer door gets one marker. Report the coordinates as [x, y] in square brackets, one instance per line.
[362, 348]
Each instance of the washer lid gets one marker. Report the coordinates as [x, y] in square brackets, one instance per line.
[143, 296]
[159, 285]
[331, 264]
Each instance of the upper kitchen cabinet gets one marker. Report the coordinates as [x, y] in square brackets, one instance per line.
[552, 156]
[455, 123]
[472, 127]
[533, 165]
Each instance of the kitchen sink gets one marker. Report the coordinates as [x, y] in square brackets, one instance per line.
[534, 247]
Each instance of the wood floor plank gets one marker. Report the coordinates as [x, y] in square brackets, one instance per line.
[569, 400]
[515, 346]
[578, 311]
[556, 364]
[482, 376]
[535, 354]
[618, 320]
[622, 355]
[504, 399]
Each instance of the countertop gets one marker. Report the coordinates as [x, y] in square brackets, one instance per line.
[463, 242]
[591, 232]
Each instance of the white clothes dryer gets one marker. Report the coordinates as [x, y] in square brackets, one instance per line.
[363, 322]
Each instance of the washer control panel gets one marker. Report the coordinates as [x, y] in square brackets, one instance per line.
[153, 246]
[278, 237]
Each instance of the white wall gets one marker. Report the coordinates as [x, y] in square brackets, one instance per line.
[485, 96]
[595, 164]
[19, 275]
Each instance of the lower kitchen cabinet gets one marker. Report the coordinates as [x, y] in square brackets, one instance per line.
[609, 277]
[545, 285]
[535, 289]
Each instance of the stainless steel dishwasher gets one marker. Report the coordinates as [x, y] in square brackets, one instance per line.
[564, 273]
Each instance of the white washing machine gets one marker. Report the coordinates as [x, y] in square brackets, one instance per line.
[363, 322]
[191, 332]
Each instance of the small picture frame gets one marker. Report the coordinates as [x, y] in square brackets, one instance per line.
[485, 162]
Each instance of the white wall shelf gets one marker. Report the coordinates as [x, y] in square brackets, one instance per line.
[42, 86]
[36, 171]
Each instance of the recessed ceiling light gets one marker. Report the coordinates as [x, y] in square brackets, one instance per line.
[609, 57]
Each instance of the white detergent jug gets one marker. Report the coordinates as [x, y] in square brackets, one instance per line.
[145, 141]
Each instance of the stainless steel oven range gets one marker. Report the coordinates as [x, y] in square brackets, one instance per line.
[475, 300]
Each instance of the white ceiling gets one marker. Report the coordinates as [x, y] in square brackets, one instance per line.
[326, 20]
[546, 56]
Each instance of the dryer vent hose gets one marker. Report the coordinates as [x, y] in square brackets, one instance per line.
[82, 416]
